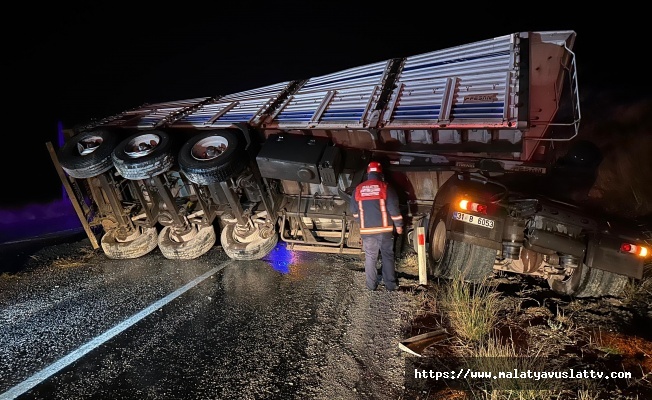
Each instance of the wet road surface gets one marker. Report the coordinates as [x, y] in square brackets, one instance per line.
[294, 325]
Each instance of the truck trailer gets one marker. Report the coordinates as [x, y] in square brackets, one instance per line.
[470, 136]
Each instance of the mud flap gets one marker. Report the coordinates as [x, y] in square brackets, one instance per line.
[354, 240]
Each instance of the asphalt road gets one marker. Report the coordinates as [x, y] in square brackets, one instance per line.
[295, 325]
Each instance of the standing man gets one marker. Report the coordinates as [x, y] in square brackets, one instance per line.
[375, 206]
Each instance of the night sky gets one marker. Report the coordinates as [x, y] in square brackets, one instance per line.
[70, 66]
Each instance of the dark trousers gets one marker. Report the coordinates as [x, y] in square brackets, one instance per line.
[383, 243]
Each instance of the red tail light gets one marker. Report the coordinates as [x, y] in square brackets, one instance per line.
[468, 205]
[640, 251]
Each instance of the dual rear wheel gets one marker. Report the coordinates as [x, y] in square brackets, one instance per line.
[590, 282]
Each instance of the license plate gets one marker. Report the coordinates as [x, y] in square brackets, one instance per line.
[475, 220]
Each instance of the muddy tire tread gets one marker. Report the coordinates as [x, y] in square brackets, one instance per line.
[246, 251]
[203, 241]
[592, 282]
[143, 244]
[473, 262]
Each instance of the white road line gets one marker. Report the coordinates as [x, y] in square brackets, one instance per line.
[75, 355]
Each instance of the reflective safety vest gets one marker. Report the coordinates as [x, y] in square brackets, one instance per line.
[375, 205]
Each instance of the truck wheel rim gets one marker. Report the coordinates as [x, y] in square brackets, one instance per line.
[209, 148]
[439, 241]
[89, 144]
[142, 145]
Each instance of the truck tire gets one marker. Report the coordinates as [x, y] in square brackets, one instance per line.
[212, 157]
[450, 259]
[254, 247]
[88, 154]
[590, 282]
[141, 245]
[203, 241]
[143, 155]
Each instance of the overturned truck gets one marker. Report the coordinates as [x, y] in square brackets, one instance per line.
[467, 135]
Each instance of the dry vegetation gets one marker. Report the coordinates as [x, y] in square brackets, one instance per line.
[496, 331]
[472, 310]
[77, 260]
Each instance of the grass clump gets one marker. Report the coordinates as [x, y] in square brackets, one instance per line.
[472, 309]
[498, 358]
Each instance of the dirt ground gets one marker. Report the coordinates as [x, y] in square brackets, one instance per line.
[607, 334]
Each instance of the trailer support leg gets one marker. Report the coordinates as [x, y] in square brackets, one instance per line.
[73, 198]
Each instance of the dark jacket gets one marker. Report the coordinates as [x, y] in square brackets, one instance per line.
[375, 205]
